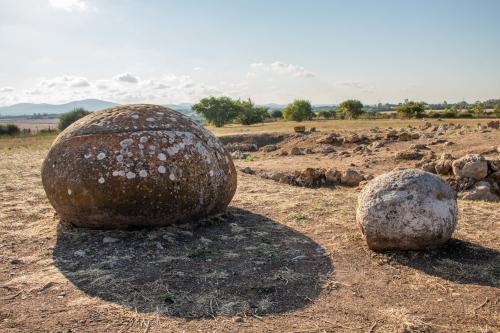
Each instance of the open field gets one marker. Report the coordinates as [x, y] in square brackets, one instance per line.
[35, 125]
[283, 258]
[335, 125]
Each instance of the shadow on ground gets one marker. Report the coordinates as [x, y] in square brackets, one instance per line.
[239, 262]
[457, 261]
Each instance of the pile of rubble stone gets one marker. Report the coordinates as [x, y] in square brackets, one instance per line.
[313, 177]
[472, 176]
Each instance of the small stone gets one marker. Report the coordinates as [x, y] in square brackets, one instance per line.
[248, 170]
[351, 177]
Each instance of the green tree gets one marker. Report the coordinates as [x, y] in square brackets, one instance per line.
[69, 118]
[277, 114]
[299, 110]
[477, 108]
[410, 109]
[497, 110]
[351, 108]
[218, 110]
[250, 114]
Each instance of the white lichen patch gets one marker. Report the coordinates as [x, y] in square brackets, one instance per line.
[143, 173]
[101, 180]
[143, 139]
[172, 176]
[101, 156]
[135, 116]
[89, 155]
[125, 143]
[69, 191]
[150, 119]
[119, 158]
[162, 157]
[130, 175]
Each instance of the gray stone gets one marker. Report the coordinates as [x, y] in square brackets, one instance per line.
[407, 209]
[481, 191]
[471, 166]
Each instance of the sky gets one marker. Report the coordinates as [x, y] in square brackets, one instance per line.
[167, 51]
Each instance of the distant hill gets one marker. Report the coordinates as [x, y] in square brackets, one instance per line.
[28, 109]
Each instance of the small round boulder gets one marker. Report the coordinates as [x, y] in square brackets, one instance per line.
[137, 166]
[407, 210]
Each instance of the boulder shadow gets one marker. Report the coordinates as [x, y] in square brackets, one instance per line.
[457, 261]
[238, 263]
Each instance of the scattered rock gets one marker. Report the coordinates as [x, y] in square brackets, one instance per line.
[269, 148]
[239, 155]
[248, 170]
[471, 166]
[299, 129]
[330, 138]
[332, 176]
[481, 191]
[444, 164]
[494, 124]
[409, 154]
[296, 151]
[351, 177]
[408, 210]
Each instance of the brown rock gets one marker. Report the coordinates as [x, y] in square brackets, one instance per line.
[299, 129]
[137, 165]
[351, 177]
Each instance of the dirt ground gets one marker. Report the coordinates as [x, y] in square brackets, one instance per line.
[282, 259]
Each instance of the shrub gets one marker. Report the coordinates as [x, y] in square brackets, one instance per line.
[9, 129]
[410, 109]
[249, 114]
[69, 118]
[352, 108]
[327, 114]
[277, 114]
[299, 110]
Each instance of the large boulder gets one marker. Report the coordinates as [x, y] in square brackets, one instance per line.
[136, 166]
[470, 166]
[406, 209]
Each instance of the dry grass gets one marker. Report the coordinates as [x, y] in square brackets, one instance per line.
[335, 125]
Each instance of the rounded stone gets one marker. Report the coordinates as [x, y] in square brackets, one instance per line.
[408, 210]
[137, 166]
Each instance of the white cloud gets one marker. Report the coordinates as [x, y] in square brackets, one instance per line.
[6, 89]
[169, 88]
[72, 5]
[281, 68]
[196, 69]
[127, 77]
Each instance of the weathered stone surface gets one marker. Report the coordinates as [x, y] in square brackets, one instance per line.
[471, 166]
[406, 209]
[137, 165]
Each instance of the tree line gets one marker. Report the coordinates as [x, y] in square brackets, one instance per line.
[219, 111]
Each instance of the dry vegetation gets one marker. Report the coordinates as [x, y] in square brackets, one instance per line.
[283, 258]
